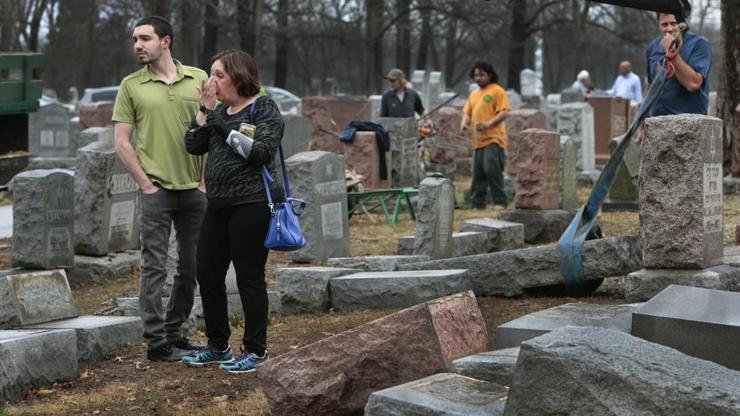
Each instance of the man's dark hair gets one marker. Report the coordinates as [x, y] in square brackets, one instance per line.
[242, 68]
[161, 27]
[485, 67]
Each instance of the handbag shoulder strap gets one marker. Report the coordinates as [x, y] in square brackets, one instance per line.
[266, 173]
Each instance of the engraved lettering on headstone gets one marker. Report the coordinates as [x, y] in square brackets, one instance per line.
[712, 197]
[50, 120]
[444, 223]
[619, 125]
[59, 241]
[122, 183]
[59, 216]
[331, 220]
[121, 222]
[331, 188]
[62, 139]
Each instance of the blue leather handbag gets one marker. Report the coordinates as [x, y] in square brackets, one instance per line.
[284, 232]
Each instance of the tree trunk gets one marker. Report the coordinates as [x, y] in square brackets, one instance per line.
[451, 45]
[517, 44]
[34, 24]
[729, 92]
[210, 35]
[374, 41]
[249, 14]
[425, 37]
[281, 44]
[190, 24]
[158, 8]
[403, 35]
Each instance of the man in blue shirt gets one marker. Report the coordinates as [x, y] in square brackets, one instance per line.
[627, 85]
[688, 90]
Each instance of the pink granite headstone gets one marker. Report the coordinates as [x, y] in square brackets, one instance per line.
[449, 143]
[329, 115]
[516, 122]
[97, 114]
[361, 154]
[538, 171]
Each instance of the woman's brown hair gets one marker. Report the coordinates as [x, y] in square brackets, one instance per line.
[242, 68]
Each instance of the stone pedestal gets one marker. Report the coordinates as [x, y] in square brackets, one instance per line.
[318, 178]
[643, 284]
[681, 192]
[516, 122]
[538, 179]
[106, 202]
[435, 213]
[43, 219]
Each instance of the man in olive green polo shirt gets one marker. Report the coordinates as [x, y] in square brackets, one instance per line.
[159, 100]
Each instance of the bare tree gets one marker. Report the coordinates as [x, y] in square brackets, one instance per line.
[374, 41]
[249, 15]
[211, 23]
[425, 37]
[403, 35]
[728, 100]
[281, 44]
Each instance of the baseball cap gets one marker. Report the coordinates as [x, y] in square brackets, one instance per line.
[395, 74]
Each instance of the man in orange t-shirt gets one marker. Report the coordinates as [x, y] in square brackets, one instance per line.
[483, 115]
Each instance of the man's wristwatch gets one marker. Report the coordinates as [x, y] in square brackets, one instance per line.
[204, 110]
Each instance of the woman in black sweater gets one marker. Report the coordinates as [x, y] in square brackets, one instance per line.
[236, 219]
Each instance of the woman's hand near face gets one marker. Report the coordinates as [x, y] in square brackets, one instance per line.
[207, 92]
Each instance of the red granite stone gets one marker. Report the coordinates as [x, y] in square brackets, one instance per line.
[449, 143]
[538, 172]
[329, 115]
[97, 114]
[610, 120]
[361, 154]
[336, 375]
[516, 122]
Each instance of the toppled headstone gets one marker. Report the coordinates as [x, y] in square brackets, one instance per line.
[98, 336]
[29, 297]
[35, 358]
[643, 284]
[380, 290]
[440, 394]
[318, 178]
[465, 243]
[106, 202]
[495, 366]
[513, 333]
[435, 212]
[624, 374]
[681, 224]
[43, 219]
[375, 263]
[306, 289]
[501, 235]
[698, 322]
[538, 170]
[516, 122]
[101, 269]
[337, 374]
[540, 226]
[508, 272]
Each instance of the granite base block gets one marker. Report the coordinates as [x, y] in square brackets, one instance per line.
[494, 366]
[643, 284]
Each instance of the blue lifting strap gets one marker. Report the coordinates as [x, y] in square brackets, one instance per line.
[571, 242]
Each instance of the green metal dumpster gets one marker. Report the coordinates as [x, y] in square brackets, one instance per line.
[20, 90]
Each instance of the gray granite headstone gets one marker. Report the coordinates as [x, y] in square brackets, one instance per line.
[623, 192]
[50, 132]
[568, 175]
[296, 134]
[375, 101]
[586, 371]
[681, 192]
[495, 366]
[703, 323]
[501, 235]
[404, 157]
[318, 178]
[106, 202]
[576, 121]
[571, 95]
[443, 394]
[29, 297]
[513, 333]
[435, 213]
[35, 358]
[43, 219]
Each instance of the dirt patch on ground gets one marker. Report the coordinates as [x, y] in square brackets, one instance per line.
[126, 383]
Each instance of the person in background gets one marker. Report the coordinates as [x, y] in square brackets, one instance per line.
[583, 83]
[483, 117]
[627, 85]
[400, 101]
[158, 100]
[236, 219]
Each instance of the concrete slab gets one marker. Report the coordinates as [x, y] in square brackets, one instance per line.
[378, 290]
[98, 336]
[643, 284]
[703, 323]
[443, 394]
[35, 358]
[494, 366]
[30, 297]
[513, 333]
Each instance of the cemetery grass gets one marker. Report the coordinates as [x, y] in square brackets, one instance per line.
[126, 383]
